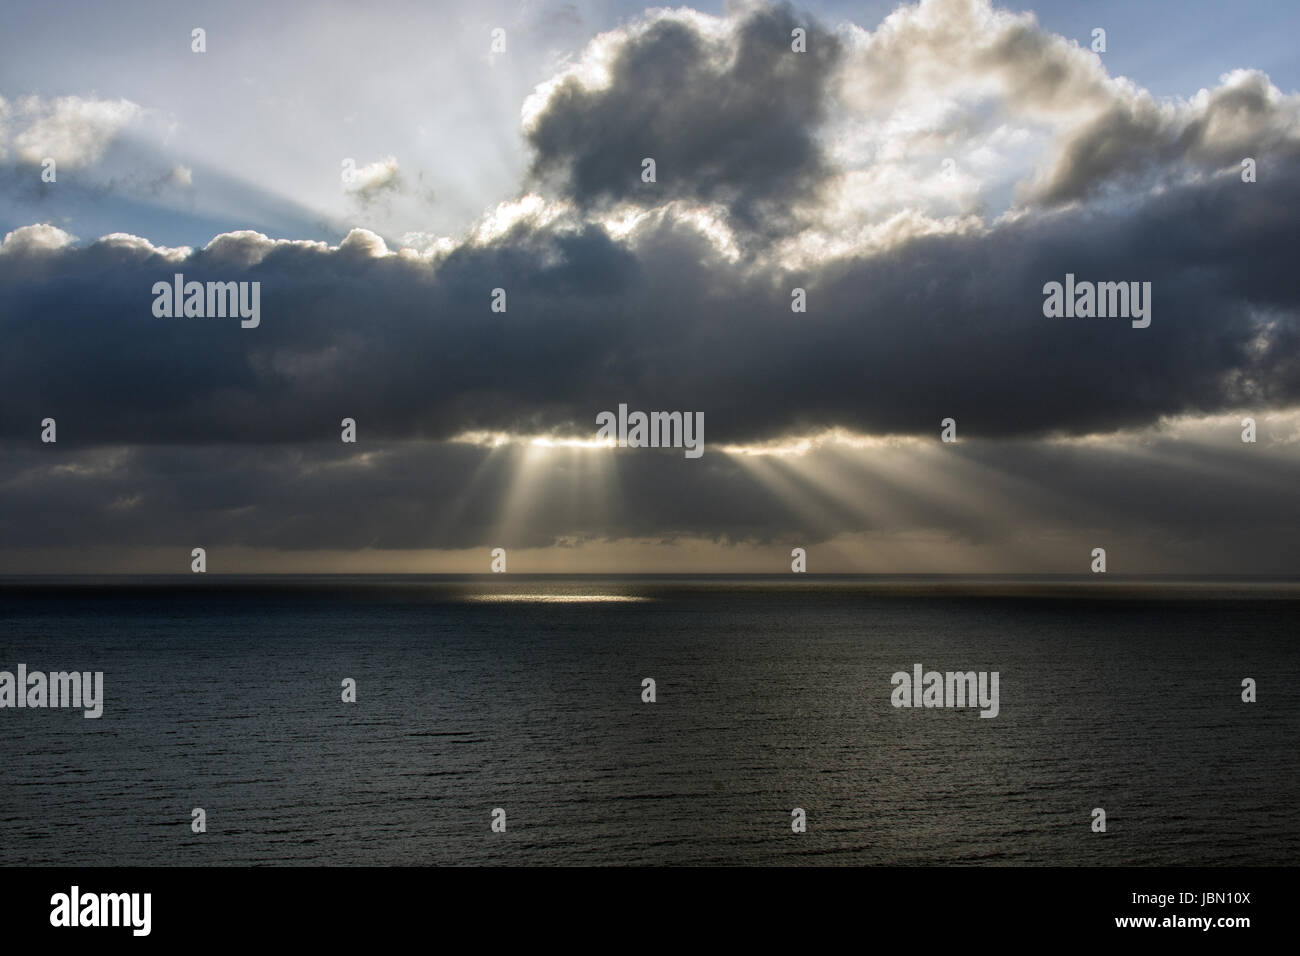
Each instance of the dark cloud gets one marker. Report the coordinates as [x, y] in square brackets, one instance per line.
[1165, 505]
[175, 430]
[731, 122]
[938, 326]
[895, 338]
[1136, 139]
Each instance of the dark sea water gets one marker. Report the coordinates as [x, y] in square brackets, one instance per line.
[773, 693]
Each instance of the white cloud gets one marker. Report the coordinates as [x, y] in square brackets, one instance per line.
[38, 238]
[72, 130]
[369, 181]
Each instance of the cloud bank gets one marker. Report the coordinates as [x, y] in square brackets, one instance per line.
[920, 182]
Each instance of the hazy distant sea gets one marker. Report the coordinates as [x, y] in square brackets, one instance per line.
[773, 693]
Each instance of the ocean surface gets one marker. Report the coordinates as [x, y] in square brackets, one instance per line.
[772, 693]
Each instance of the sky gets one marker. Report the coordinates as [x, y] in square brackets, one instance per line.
[920, 171]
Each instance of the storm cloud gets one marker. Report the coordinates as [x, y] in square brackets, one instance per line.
[892, 342]
[821, 171]
[729, 117]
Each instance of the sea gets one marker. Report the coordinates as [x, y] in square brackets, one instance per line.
[507, 720]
